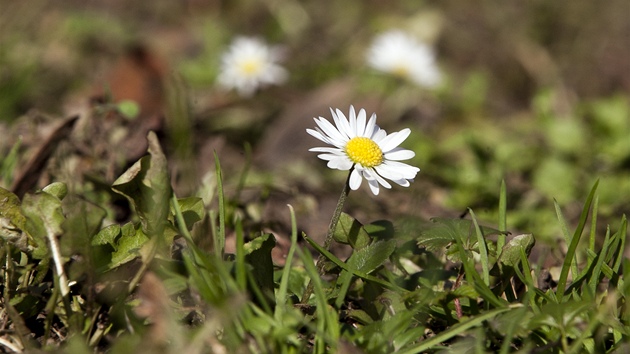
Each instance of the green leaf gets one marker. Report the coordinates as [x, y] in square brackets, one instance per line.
[569, 259]
[511, 253]
[82, 224]
[380, 229]
[193, 210]
[107, 236]
[258, 255]
[43, 216]
[57, 189]
[371, 257]
[12, 221]
[83, 221]
[443, 232]
[350, 231]
[128, 246]
[147, 186]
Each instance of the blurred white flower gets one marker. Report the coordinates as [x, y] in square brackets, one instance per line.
[373, 153]
[398, 53]
[249, 64]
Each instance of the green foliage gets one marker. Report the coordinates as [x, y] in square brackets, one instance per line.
[385, 297]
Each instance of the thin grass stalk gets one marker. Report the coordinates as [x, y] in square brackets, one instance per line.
[567, 236]
[592, 236]
[324, 319]
[601, 258]
[502, 217]
[570, 261]
[220, 240]
[241, 269]
[483, 249]
[281, 294]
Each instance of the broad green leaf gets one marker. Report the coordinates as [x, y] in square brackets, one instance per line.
[83, 221]
[147, 186]
[12, 221]
[466, 290]
[511, 254]
[58, 189]
[43, 216]
[82, 224]
[380, 229]
[443, 233]
[350, 231]
[193, 210]
[367, 259]
[107, 236]
[129, 245]
[258, 255]
[359, 315]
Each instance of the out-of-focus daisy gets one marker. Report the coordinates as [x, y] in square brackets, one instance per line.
[398, 53]
[250, 63]
[372, 152]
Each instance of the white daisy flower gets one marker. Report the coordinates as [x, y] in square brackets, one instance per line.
[372, 152]
[248, 64]
[396, 52]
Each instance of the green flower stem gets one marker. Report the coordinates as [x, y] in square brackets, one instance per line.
[329, 237]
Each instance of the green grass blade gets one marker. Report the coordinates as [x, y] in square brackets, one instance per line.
[502, 217]
[593, 281]
[281, 294]
[483, 250]
[326, 324]
[241, 268]
[458, 329]
[621, 235]
[220, 240]
[569, 259]
[567, 237]
[527, 278]
[592, 236]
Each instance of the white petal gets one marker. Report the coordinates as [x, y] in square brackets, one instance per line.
[373, 186]
[361, 122]
[402, 182]
[371, 127]
[393, 140]
[318, 134]
[353, 121]
[399, 154]
[407, 171]
[388, 172]
[379, 179]
[378, 135]
[345, 125]
[331, 131]
[329, 157]
[327, 149]
[340, 163]
[355, 180]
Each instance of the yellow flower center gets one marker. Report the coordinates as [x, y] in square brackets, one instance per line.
[250, 67]
[401, 71]
[364, 151]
